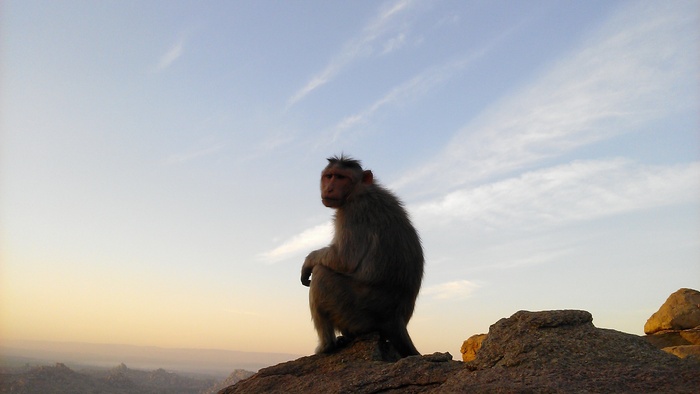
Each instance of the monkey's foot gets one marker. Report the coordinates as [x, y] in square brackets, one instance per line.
[343, 341]
[339, 343]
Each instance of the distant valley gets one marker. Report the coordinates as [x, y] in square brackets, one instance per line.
[206, 361]
[60, 379]
[57, 367]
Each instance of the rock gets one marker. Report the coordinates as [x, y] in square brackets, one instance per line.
[233, 378]
[669, 338]
[366, 365]
[471, 346]
[508, 345]
[550, 352]
[681, 311]
[692, 351]
[692, 336]
[561, 351]
[675, 328]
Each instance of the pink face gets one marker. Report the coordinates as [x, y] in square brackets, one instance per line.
[336, 184]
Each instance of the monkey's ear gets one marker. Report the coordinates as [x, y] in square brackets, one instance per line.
[367, 177]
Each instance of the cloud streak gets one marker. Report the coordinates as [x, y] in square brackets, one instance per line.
[459, 289]
[168, 58]
[406, 92]
[630, 72]
[361, 46]
[192, 155]
[579, 191]
[302, 243]
[418, 86]
[411, 89]
[583, 190]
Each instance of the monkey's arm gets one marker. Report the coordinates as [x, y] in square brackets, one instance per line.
[314, 258]
[331, 259]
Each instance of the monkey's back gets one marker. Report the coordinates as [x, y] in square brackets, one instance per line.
[394, 255]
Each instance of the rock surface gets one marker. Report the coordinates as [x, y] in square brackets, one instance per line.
[663, 339]
[544, 352]
[233, 378]
[471, 346]
[681, 311]
[692, 351]
[675, 327]
[367, 365]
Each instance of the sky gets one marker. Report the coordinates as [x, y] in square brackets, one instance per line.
[160, 161]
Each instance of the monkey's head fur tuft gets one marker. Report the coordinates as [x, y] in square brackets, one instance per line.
[344, 161]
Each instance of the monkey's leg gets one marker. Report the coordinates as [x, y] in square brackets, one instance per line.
[323, 301]
[326, 332]
[397, 334]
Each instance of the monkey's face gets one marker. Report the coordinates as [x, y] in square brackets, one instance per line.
[336, 185]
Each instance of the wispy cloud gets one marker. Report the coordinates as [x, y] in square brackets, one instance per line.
[418, 86]
[583, 190]
[579, 191]
[394, 43]
[300, 244]
[458, 289]
[633, 70]
[415, 87]
[169, 57]
[191, 155]
[373, 35]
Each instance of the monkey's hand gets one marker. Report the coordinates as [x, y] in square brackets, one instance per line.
[314, 258]
[305, 275]
[306, 269]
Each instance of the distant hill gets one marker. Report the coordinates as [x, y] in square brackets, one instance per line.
[118, 380]
[214, 362]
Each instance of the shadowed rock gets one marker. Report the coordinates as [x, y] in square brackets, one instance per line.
[544, 352]
[366, 365]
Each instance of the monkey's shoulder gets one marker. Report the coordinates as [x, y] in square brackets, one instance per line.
[376, 207]
[378, 195]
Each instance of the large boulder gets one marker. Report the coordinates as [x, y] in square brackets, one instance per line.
[367, 365]
[471, 346]
[681, 311]
[548, 352]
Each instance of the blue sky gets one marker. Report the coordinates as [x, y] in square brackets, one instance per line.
[159, 161]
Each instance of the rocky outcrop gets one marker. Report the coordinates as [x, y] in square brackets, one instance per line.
[471, 346]
[550, 352]
[690, 351]
[366, 365]
[681, 311]
[675, 327]
[233, 378]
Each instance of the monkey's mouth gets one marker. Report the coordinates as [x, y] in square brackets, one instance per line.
[331, 202]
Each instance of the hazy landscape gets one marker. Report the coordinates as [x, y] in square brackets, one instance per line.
[35, 366]
[207, 361]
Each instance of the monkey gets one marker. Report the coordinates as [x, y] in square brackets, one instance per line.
[368, 278]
